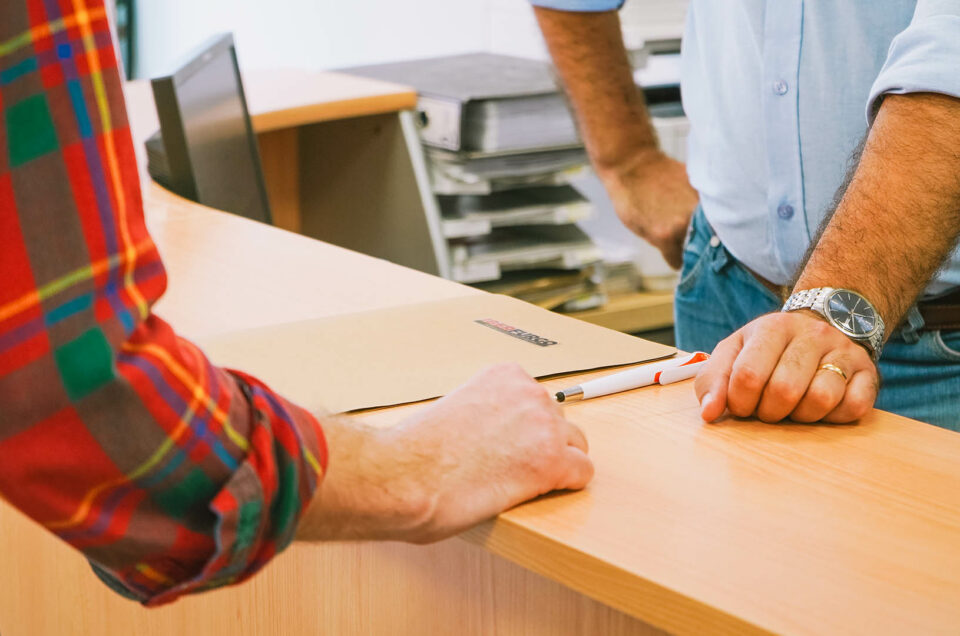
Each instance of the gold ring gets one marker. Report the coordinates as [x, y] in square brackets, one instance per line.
[834, 368]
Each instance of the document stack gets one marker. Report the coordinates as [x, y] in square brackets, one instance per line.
[502, 148]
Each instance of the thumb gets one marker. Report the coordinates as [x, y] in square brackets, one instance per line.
[577, 470]
[714, 378]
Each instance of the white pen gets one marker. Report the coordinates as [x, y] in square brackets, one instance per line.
[660, 373]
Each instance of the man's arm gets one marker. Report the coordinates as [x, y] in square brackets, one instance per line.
[894, 226]
[909, 181]
[495, 442]
[650, 191]
[172, 475]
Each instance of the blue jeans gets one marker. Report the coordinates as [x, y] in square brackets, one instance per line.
[920, 370]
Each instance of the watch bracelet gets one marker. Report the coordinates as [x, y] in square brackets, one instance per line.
[816, 296]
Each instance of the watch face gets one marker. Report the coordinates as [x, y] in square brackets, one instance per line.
[852, 313]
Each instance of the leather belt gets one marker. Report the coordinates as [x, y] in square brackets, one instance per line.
[781, 291]
[942, 313]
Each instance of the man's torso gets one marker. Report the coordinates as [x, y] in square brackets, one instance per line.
[776, 92]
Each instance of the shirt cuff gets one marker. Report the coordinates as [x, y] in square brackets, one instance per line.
[924, 57]
[256, 512]
[579, 5]
[259, 508]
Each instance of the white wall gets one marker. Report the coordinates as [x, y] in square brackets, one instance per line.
[318, 34]
[514, 30]
[324, 34]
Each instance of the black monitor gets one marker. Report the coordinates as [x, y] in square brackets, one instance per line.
[206, 150]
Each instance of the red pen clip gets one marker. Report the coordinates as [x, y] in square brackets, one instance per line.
[686, 369]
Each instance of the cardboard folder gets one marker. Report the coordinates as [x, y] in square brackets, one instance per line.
[419, 351]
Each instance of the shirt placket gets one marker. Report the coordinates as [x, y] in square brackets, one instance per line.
[783, 31]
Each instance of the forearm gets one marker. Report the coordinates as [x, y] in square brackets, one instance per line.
[496, 441]
[900, 215]
[369, 491]
[588, 51]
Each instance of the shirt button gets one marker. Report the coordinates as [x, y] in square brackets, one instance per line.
[714, 241]
[785, 211]
[780, 87]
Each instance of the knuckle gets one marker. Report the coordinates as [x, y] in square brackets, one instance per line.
[547, 437]
[803, 417]
[739, 406]
[783, 392]
[778, 319]
[860, 407]
[546, 454]
[541, 419]
[769, 414]
[819, 400]
[772, 323]
[658, 237]
[846, 416]
[861, 358]
[739, 411]
[821, 329]
[748, 378]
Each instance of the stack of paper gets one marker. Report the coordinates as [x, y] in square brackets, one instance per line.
[512, 248]
[486, 173]
[474, 215]
[480, 102]
[501, 149]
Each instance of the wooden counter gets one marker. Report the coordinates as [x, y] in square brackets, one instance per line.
[733, 528]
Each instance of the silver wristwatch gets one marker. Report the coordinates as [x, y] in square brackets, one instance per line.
[846, 310]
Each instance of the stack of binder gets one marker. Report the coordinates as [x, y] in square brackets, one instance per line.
[502, 148]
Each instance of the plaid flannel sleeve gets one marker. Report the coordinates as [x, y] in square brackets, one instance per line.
[169, 474]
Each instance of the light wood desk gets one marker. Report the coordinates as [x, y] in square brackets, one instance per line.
[734, 528]
[689, 528]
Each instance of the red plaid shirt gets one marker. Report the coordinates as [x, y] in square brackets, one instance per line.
[170, 475]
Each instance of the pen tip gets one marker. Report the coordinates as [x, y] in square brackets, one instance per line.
[560, 396]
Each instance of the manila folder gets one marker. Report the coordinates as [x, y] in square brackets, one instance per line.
[419, 351]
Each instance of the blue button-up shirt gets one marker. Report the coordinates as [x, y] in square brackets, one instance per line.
[780, 92]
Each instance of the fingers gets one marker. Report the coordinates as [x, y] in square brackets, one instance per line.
[788, 383]
[669, 240]
[772, 369]
[712, 381]
[578, 470]
[576, 438]
[672, 251]
[858, 400]
[754, 366]
[825, 392]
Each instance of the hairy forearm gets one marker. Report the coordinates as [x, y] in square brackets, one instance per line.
[368, 491]
[588, 51]
[900, 215]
